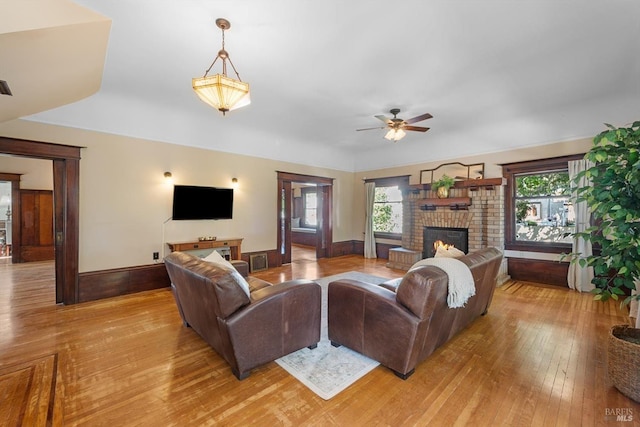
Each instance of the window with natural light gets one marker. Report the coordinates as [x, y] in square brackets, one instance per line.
[543, 208]
[387, 210]
[310, 203]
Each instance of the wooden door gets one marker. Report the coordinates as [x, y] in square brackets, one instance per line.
[36, 225]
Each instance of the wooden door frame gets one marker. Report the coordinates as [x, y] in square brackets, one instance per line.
[324, 239]
[66, 190]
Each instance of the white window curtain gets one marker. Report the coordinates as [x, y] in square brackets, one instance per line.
[579, 278]
[369, 238]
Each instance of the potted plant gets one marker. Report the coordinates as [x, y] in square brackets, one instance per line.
[614, 200]
[442, 186]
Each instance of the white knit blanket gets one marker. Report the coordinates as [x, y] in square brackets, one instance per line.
[461, 284]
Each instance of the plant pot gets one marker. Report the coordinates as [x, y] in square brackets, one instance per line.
[442, 192]
[624, 360]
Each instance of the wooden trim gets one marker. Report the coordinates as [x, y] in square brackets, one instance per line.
[38, 149]
[390, 181]
[538, 271]
[10, 176]
[510, 171]
[101, 284]
[325, 243]
[324, 240]
[297, 177]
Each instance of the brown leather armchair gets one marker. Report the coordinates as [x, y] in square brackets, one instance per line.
[401, 322]
[246, 330]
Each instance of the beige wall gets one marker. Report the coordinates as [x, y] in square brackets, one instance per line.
[125, 203]
[35, 174]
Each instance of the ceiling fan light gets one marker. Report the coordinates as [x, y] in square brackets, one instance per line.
[222, 92]
[395, 135]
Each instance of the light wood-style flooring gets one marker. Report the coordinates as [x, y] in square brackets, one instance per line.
[538, 358]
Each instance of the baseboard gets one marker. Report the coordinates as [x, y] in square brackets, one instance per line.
[94, 285]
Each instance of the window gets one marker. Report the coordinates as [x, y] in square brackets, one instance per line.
[387, 207]
[309, 207]
[539, 211]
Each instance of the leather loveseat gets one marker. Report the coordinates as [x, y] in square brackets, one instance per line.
[247, 327]
[401, 322]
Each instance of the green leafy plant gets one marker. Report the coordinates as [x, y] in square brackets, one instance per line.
[445, 181]
[614, 200]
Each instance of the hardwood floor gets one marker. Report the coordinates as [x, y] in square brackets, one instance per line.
[537, 358]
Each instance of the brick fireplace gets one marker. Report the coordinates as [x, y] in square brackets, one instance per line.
[480, 210]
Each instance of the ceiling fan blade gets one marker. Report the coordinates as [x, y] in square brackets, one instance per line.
[379, 127]
[420, 118]
[384, 119]
[416, 128]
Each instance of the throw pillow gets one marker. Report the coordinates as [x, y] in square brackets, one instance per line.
[448, 253]
[217, 259]
[295, 222]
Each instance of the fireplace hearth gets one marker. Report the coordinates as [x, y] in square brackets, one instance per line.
[452, 236]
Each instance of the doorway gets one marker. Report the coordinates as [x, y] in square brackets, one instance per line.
[66, 189]
[315, 211]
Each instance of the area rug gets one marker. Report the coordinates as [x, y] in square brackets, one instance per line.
[327, 370]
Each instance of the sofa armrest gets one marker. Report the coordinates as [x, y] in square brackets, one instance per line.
[279, 320]
[368, 319]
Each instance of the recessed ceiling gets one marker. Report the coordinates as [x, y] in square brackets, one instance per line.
[495, 75]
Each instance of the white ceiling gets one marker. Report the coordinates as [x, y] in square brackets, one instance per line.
[495, 75]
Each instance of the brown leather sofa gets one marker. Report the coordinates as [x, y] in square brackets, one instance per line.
[247, 331]
[401, 322]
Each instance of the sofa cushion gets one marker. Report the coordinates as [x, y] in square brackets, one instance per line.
[391, 284]
[255, 283]
[217, 259]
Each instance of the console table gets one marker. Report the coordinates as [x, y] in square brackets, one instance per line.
[234, 244]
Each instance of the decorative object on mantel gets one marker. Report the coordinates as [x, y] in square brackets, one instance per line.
[207, 239]
[442, 186]
[220, 91]
[460, 172]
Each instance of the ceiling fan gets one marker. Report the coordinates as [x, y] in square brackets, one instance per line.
[397, 127]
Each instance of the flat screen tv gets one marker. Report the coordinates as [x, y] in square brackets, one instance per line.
[193, 202]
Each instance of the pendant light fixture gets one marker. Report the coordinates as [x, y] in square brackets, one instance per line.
[220, 91]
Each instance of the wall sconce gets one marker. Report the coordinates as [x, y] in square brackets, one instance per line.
[168, 177]
[234, 182]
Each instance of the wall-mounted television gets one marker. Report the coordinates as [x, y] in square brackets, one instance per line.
[193, 202]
